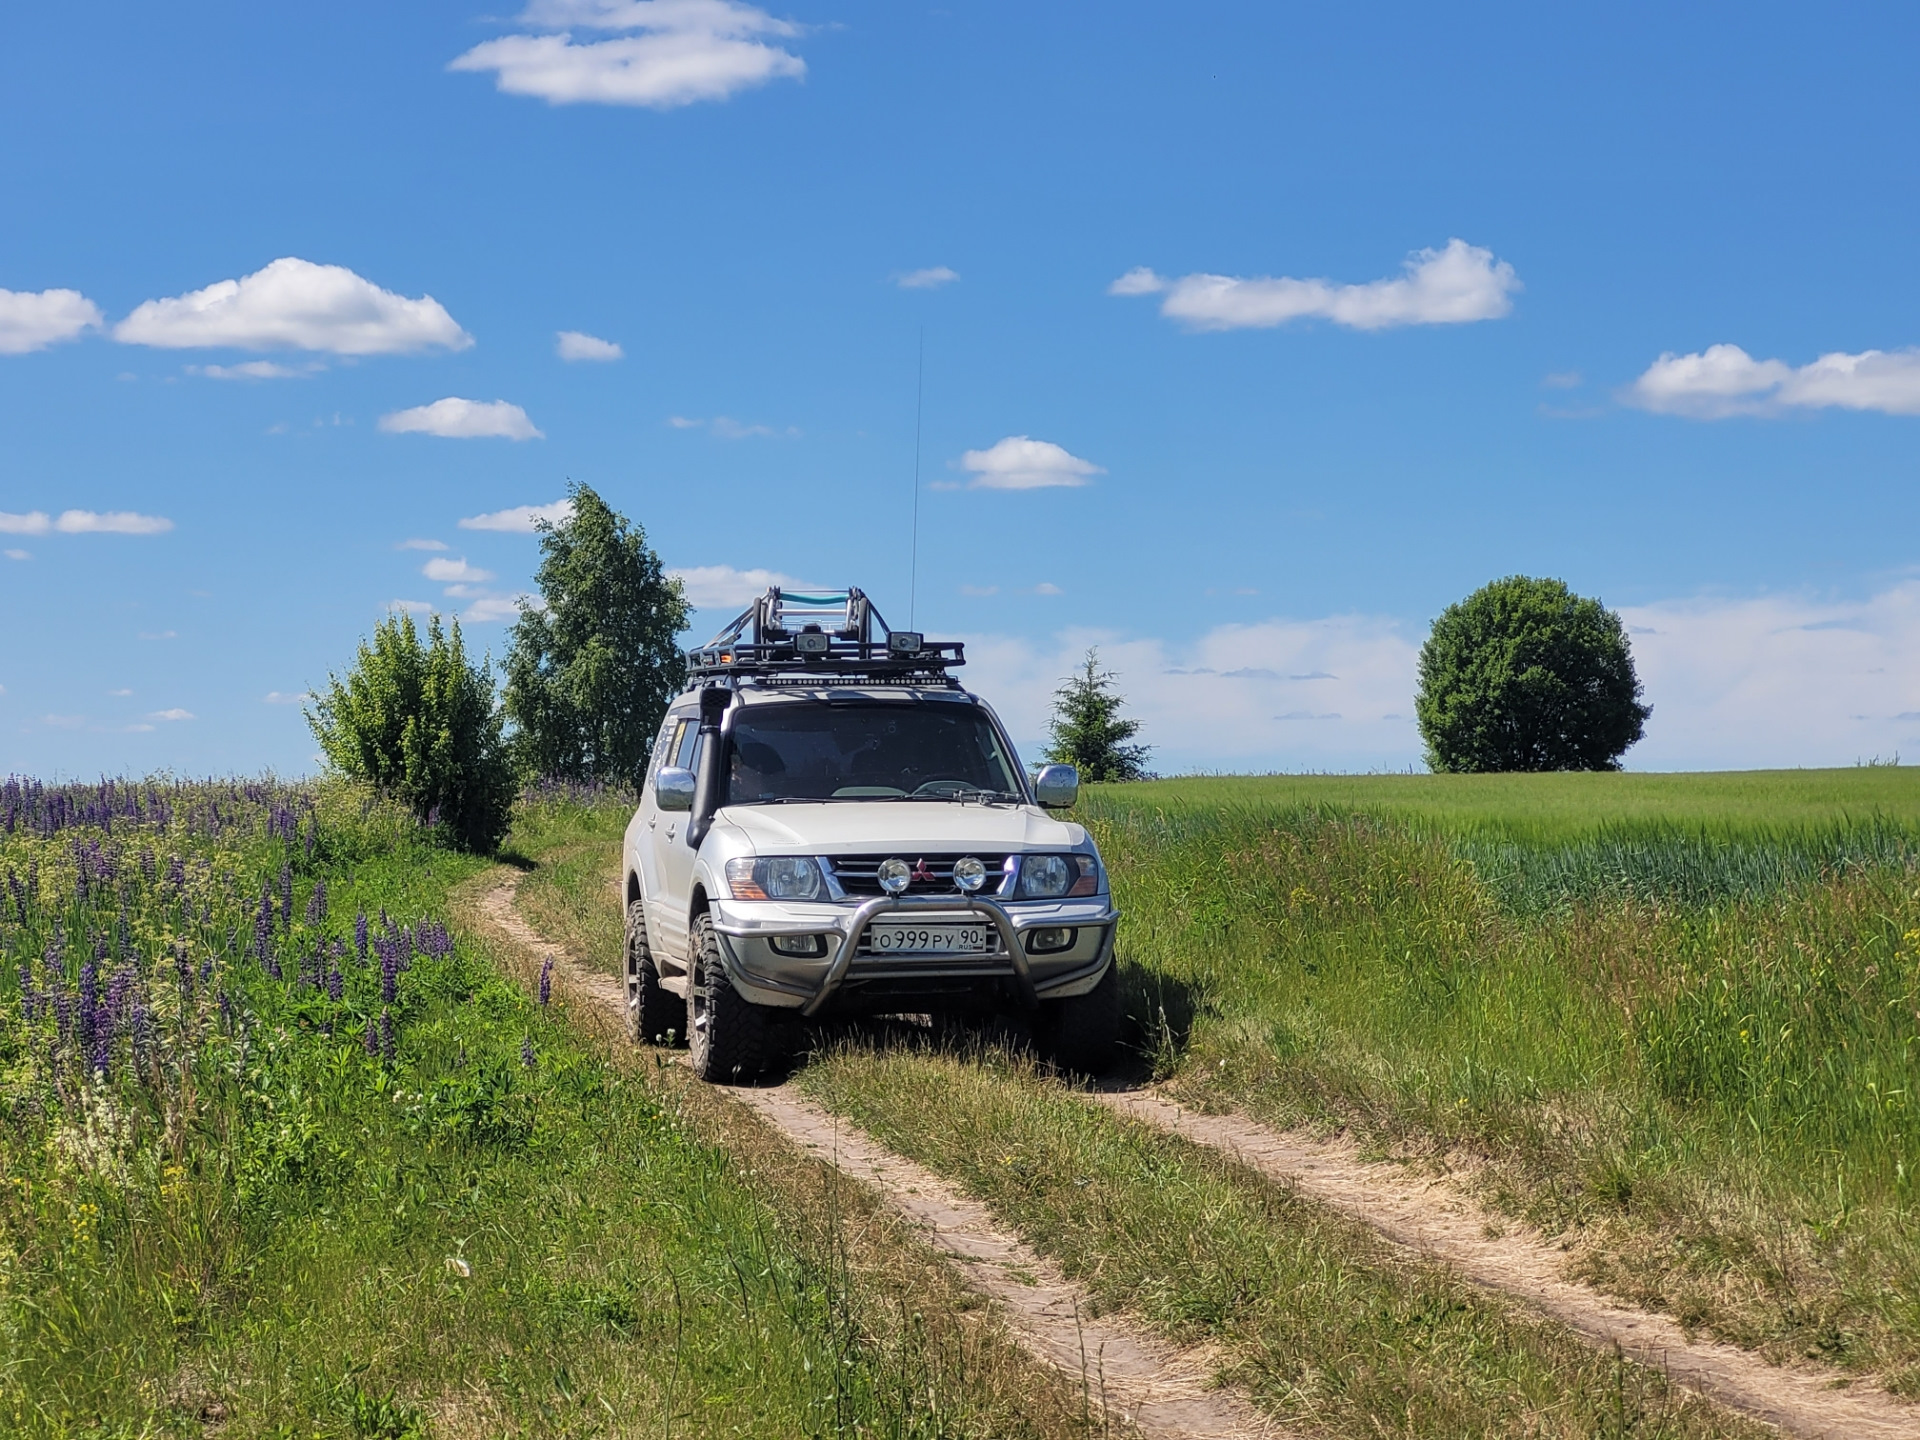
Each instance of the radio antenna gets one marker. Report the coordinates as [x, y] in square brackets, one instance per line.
[919, 394]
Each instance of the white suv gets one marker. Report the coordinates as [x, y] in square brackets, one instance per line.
[830, 824]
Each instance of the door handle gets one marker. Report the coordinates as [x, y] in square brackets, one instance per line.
[669, 832]
[652, 820]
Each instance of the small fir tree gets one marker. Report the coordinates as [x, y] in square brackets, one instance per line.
[1088, 732]
[419, 722]
[1525, 675]
[589, 676]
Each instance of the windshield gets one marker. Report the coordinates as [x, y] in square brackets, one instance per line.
[879, 751]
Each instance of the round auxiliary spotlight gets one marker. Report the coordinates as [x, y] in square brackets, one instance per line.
[969, 873]
[894, 875]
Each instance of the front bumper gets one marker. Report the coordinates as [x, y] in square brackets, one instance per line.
[843, 974]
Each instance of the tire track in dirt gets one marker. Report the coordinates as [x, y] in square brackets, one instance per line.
[1434, 1219]
[1159, 1389]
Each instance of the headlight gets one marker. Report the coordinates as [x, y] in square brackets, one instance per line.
[775, 877]
[1057, 877]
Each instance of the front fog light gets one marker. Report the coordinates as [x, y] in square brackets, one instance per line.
[774, 877]
[805, 947]
[969, 873]
[1048, 939]
[894, 875]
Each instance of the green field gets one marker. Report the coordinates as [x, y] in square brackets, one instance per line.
[1672, 1018]
[268, 1173]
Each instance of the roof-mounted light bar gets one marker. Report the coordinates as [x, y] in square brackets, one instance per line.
[836, 633]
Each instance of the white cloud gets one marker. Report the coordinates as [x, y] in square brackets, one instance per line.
[496, 607]
[35, 319]
[34, 522]
[120, 694]
[577, 345]
[1019, 463]
[677, 52]
[726, 427]
[979, 592]
[295, 304]
[1724, 380]
[1047, 587]
[421, 545]
[1451, 286]
[721, 587]
[451, 571]
[255, 370]
[456, 419]
[287, 697]
[521, 519]
[159, 634]
[111, 522]
[174, 714]
[18, 554]
[412, 607]
[1226, 701]
[931, 278]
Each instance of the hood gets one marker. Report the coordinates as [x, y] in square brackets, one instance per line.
[856, 828]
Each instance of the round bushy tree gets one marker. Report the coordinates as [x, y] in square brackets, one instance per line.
[1525, 675]
[590, 674]
[1088, 732]
[419, 722]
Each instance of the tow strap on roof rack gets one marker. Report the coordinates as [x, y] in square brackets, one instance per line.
[791, 638]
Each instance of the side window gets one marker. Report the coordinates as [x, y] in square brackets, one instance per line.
[687, 750]
[662, 743]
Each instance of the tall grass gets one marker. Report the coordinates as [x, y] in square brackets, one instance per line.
[286, 1155]
[1701, 1043]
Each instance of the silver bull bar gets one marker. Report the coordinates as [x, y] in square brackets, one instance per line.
[856, 931]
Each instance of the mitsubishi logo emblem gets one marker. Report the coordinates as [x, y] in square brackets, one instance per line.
[920, 871]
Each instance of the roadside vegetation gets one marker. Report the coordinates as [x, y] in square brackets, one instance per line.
[1673, 1018]
[287, 1154]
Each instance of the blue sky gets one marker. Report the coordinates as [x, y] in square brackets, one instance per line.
[1568, 283]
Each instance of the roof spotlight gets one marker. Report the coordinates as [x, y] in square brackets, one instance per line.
[812, 642]
[905, 642]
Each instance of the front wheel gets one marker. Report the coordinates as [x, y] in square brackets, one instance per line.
[1082, 1032]
[654, 1014]
[730, 1040]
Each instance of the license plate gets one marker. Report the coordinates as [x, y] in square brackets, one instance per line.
[930, 939]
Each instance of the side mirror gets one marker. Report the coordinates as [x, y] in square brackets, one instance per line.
[673, 788]
[1056, 786]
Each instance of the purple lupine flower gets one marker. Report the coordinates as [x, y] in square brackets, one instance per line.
[336, 983]
[147, 864]
[206, 970]
[176, 874]
[370, 1042]
[27, 1007]
[360, 936]
[87, 1015]
[389, 969]
[546, 980]
[286, 896]
[526, 1051]
[263, 924]
[317, 903]
[386, 1036]
[270, 963]
[183, 969]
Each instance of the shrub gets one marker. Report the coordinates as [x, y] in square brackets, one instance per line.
[1525, 675]
[419, 722]
[1088, 732]
[590, 676]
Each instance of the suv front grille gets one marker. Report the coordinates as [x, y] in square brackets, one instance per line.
[933, 874]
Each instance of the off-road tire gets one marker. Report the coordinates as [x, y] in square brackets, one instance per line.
[653, 1013]
[1082, 1032]
[730, 1040]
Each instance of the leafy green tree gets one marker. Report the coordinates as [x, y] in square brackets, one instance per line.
[1525, 675]
[589, 676]
[419, 722]
[1088, 732]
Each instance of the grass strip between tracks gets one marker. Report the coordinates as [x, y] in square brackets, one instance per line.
[1328, 1327]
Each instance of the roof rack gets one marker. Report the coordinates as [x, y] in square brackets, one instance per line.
[795, 638]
